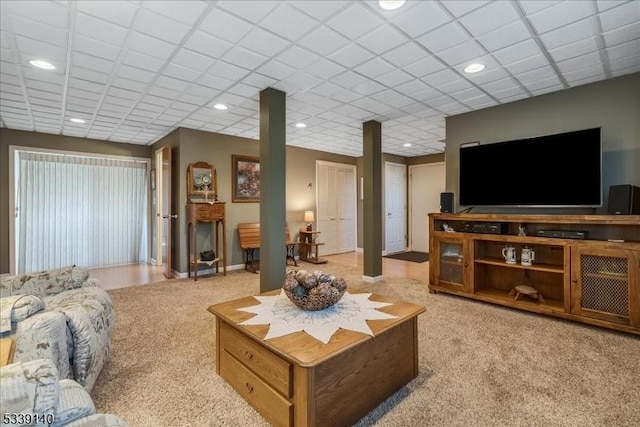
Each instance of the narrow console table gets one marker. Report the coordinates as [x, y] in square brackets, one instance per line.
[309, 247]
[211, 213]
[592, 278]
[296, 380]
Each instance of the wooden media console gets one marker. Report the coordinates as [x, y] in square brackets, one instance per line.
[595, 280]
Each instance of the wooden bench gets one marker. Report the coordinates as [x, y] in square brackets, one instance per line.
[249, 234]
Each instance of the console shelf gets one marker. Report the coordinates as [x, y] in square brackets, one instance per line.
[594, 280]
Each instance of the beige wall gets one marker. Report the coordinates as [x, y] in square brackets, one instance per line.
[613, 105]
[47, 141]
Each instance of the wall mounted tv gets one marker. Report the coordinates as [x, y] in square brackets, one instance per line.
[561, 170]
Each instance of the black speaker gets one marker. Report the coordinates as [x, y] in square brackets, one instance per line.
[446, 202]
[624, 200]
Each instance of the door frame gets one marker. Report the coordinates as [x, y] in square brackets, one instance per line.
[404, 207]
[163, 157]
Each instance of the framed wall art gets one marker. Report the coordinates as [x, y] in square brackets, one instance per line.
[245, 182]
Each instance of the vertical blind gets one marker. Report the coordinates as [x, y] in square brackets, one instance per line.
[91, 212]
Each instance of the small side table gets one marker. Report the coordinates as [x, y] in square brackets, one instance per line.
[309, 247]
[7, 348]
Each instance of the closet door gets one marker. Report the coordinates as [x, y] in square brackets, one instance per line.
[346, 200]
[327, 208]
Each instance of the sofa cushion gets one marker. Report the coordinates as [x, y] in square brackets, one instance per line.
[17, 308]
[46, 282]
[75, 403]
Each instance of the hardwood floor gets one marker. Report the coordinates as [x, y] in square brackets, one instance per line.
[142, 274]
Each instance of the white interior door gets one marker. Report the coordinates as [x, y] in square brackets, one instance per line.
[426, 182]
[164, 215]
[395, 213]
[336, 207]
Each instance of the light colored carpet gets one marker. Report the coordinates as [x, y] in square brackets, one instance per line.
[480, 364]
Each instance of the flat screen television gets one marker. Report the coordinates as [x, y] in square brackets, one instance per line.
[560, 170]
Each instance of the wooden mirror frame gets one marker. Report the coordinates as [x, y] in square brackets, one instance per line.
[200, 169]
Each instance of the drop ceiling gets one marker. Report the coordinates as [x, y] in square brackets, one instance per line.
[136, 70]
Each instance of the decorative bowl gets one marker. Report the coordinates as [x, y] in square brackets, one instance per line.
[313, 291]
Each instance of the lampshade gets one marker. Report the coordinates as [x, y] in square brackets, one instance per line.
[308, 216]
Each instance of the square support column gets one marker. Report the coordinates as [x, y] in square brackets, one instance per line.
[272, 189]
[372, 228]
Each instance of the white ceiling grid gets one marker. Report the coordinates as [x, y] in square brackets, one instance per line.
[136, 70]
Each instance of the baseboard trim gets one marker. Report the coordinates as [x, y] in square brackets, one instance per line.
[179, 275]
[370, 279]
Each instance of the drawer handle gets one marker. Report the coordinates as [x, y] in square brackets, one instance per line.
[249, 387]
[248, 355]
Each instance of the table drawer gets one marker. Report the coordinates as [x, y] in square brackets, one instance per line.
[207, 212]
[276, 371]
[271, 405]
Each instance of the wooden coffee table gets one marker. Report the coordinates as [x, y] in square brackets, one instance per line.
[296, 380]
[7, 348]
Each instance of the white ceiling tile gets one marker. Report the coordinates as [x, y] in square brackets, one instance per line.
[412, 87]
[275, 70]
[160, 27]
[532, 6]
[119, 12]
[368, 88]
[608, 4]
[323, 41]
[456, 85]
[259, 81]
[504, 36]
[185, 12]
[297, 57]
[320, 9]
[244, 58]
[461, 7]
[382, 39]
[354, 21]
[99, 29]
[489, 17]
[569, 33]
[346, 96]
[181, 73]
[444, 37]
[251, 10]
[43, 11]
[223, 25]
[583, 73]
[193, 60]
[39, 49]
[538, 74]
[628, 13]
[374, 68]
[348, 79]
[622, 34]
[525, 65]
[405, 54]
[142, 61]
[424, 66]
[440, 77]
[207, 44]
[624, 50]
[574, 49]
[464, 52]
[214, 83]
[288, 22]
[626, 65]
[92, 63]
[94, 47]
[561, 14]
[327, 89]
[148, 45]
[394, 78]
[351, 55]
[263, 42]
[547, 89]
[423, 17]
[162, 92]
[517, 52]
[579, 62]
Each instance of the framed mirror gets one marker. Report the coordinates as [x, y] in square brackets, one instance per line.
[201, 182]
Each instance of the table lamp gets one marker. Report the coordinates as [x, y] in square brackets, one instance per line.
[308, 217]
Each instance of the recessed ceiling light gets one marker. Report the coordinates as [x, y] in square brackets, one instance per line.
[220, 107]
[407, 144]
[474, 68]
[76, 120]
[301, 125]
[42, 64]
[391, 4]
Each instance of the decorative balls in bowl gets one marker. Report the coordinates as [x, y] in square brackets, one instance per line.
[313, 291]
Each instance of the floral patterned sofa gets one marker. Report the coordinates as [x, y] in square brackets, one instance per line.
[60, 315]
[32, 393]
